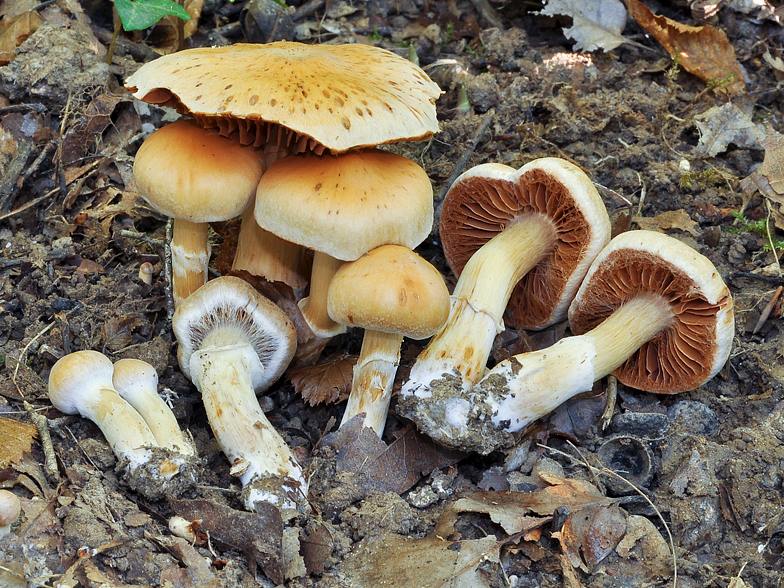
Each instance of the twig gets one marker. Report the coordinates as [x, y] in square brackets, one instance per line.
[770, 239]
[609, 472]
[310, 7]
[39, 108]
[609, 403]
[488, 13]
[464, 158]
[767, 310]
[13, 172]
[31, 169]
[20, 359]
[29, 204]
[142, 237]
[167, 270]
[41, 423]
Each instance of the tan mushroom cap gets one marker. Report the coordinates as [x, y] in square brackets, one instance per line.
[348, 204]
[489, 197]
[697, 344]
[341, 96]
[390, 289]
[185, 171]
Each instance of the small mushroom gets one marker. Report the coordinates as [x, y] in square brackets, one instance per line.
[342, 207]
[651, 311]
[137, 382]
[234, 342]
[522, 238]
[10, 509]
[196, 177]
[391, 292]
[81, 383]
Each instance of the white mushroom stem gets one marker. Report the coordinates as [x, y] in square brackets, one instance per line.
[137, 382]
[223, 371]
[374, 374]
[265, 254]
[463, 344]
[530, 385]
[190, 257]
[314, 307]
[81, 382]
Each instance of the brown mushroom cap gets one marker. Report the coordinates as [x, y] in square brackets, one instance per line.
[188, 172]
[489, 197]
[341, 96]
[390, 289]
[348, 204]
[695, 347]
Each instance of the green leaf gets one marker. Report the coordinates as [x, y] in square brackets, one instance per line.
[141, 14]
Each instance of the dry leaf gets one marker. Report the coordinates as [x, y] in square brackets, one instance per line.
[703, 51]
[328, 382]
[15, 439]
[591, 534]
[15, 32]
[81, 136]
[117, 333]
[769, 177]
[722, 125]
[672, 219]
[596, 24]
[775, 62]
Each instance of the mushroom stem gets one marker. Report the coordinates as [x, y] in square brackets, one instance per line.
[264, 254]
[463, 344]
[374, 375]
[223, 374]
[314, 307]
[190, 258]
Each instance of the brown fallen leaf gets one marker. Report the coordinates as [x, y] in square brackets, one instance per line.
[721, 125]
[768, 177]
[17, 438]
[93, 121]
[327, 382]
[196, 572]
[672, 219]
[117, 333]
[16, 31]
[591, 534]
[703, 51]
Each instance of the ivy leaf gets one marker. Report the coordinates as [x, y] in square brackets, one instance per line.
[142, 14]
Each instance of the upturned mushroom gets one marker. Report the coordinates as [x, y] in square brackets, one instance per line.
[137, 382]
[289, 98]
[342, 207]
[392, 293]
[233, 343]
[195, 176]
[522, 238]
[651, 311]
[10, 509]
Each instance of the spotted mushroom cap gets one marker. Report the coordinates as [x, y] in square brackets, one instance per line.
[348, 204]
[697, 344]
[390, 289]
[489, 197]
[340, 96]
[185, 171]
[232, 305]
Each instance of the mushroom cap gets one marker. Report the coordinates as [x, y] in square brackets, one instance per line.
[74, 378]
[697, 344]
[342, 96]
[185, 171]
[132, 376]
[231, 304]
[10, 508]
[348, 204]
[487, 198]
[390, 289]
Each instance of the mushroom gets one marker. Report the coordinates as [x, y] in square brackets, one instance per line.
[81, 383]
[519, 237]
[651, 311]
[292, 97]
[10, 509]
[391, 292]
[137, 382]
[195, 176]
[342, 207]
[234, 342]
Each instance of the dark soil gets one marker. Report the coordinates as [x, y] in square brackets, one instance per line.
[73, 234]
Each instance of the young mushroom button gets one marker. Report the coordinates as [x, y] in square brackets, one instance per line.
[519, 237]
[651, 310]
[234, 342]
[342, 207]
[195, 176]
[10, 509]
[390, 292]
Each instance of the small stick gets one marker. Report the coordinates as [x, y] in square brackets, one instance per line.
[609, 402]
[167, 270]
[41, 423]
[768, 309]
[464, 159]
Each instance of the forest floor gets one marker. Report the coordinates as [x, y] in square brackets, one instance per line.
[668, 150]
